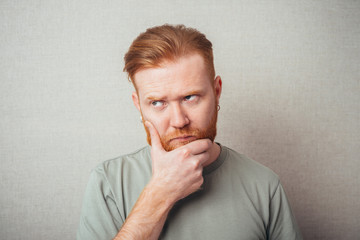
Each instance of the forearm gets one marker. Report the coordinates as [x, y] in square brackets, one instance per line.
[148, 216]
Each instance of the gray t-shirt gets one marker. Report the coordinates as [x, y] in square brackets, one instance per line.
[240, 199]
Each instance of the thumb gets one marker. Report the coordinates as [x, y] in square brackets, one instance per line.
[155, 138]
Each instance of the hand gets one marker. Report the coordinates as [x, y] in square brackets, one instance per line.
[177, 173]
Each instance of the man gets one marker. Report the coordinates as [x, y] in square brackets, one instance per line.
[184, 185]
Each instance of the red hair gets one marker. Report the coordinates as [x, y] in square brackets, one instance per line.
[167, 42]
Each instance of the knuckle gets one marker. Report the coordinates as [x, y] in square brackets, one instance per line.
[195, 164]
[201, 181]
[185, 152]
[203, 157]
[199, 175]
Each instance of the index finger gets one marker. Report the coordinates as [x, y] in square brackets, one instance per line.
[154, 135]
[198, 146]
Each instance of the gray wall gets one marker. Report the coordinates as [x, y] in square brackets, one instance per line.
[291, 99]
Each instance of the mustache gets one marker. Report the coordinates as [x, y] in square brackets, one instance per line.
[182, 132]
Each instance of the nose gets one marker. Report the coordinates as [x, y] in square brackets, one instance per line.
[178, 118]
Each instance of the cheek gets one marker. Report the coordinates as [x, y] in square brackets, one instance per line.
[201, 119]
[210, 109]
[160, 126]
[158, 122]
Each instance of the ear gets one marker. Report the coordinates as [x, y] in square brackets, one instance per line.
[136, 102]
[217, 88]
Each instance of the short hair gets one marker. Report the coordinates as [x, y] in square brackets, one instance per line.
[167, 42]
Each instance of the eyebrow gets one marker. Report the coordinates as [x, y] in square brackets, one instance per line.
[194, 92]
[152, 97]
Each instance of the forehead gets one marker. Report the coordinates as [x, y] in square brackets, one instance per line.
[173, 78]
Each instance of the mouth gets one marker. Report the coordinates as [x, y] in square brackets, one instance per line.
[184, 138]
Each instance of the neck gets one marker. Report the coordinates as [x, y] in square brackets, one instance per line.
[214, 154]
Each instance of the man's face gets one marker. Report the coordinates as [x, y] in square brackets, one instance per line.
[179, 99]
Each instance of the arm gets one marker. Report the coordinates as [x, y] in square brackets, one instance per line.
[148, 216]
[282, 221]
[100, 217]
[176, 174]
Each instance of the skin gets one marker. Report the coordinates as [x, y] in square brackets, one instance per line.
[176, 101]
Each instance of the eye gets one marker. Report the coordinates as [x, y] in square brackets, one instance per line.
[190, 98]
[157, 103]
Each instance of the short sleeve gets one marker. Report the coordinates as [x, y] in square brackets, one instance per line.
[100, 218]
[282, 224]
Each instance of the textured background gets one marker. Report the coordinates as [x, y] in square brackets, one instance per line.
[291, 100]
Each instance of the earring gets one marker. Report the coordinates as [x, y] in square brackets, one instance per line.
[218, 107]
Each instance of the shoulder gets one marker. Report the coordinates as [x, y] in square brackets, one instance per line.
[249, 170]
[132, 163]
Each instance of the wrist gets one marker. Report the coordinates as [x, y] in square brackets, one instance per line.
[160, 194]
